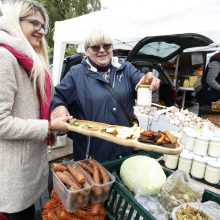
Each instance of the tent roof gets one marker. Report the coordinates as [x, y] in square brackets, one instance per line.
[130, 24]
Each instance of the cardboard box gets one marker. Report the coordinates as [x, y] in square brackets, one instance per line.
[161, 123]
[144, 121]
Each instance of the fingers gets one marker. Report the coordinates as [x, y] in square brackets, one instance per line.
[149, 79]
[66, 118]
[142, 81]
[60, 124]
[58, 112]
[155, 83]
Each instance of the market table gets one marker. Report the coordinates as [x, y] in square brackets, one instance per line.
[185, 89]
[207, 110]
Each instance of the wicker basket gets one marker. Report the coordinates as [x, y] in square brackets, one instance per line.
[215, 119]
[54, 210]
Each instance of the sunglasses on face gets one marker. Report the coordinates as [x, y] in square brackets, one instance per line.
[36, 25]
[96, 48]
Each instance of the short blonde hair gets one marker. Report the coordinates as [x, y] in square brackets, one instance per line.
[97, 37]
[13, 11]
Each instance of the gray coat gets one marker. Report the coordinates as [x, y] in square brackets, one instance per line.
[23, 154]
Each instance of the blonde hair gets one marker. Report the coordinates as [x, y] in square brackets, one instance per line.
[97, 37]
[13, 11]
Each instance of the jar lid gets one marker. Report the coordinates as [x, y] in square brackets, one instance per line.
[189, 132]
[199, 158]
[213, 163]
[208, 158]
[143, 86]
[190, 135]
[204, 138]
[215, 139]
[187, 155]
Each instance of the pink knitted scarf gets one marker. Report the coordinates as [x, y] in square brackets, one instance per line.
[27, 64]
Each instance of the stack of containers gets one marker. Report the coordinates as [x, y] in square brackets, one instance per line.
[171, 161]
[188, 139]
[212, 172]
[198, 167]
[200, 157]
[185, 161]
[76, 199]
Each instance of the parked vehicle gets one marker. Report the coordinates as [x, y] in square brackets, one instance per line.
[163, 55]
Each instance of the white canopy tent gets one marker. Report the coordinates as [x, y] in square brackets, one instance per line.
[130, 24]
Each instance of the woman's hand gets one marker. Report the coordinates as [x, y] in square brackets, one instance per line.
[60, 111]
[60, 124]
[151, 80]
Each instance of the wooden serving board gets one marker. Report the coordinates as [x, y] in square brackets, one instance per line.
[96, 129]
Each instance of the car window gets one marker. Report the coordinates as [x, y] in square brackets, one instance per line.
[159, 49]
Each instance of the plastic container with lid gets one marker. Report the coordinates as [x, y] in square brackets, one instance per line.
[185, 161]
[198, 167]
[214, 147]
[72, 199]
[171, 161]
[201, 145]
[144, 95]
[188, 140]
[212, 172]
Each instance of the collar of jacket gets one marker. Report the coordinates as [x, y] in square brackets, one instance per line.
[115, 63]
[92, 71]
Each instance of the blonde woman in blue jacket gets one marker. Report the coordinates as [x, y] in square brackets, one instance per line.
[82, 93]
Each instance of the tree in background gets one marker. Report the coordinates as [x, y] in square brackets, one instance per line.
[60, 10]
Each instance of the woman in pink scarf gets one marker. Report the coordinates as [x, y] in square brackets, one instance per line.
[25, 96]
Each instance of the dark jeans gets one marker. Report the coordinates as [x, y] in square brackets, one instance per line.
[27, 214]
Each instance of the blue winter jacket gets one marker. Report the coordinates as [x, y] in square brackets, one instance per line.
[83, 93]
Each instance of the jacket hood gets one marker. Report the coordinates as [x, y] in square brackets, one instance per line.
[10, 37]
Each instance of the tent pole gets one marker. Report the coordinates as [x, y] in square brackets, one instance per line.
[176, 72]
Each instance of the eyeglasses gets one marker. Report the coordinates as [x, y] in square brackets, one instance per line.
[36, 25]
[96, 48]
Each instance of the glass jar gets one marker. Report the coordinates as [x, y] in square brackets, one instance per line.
[144, 95]
[198, 167]
[171, 161]
[185, 161]
[212, 172]
[201, 145]
[188, 141]
[214, 147]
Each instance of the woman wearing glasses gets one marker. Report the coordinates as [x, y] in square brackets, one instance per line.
[25, 95]
[82, 93]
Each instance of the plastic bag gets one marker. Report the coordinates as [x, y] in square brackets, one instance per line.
[179, 189]
[210, 208]
[152, 205]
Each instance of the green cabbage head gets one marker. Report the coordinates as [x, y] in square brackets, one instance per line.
[143, 175]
